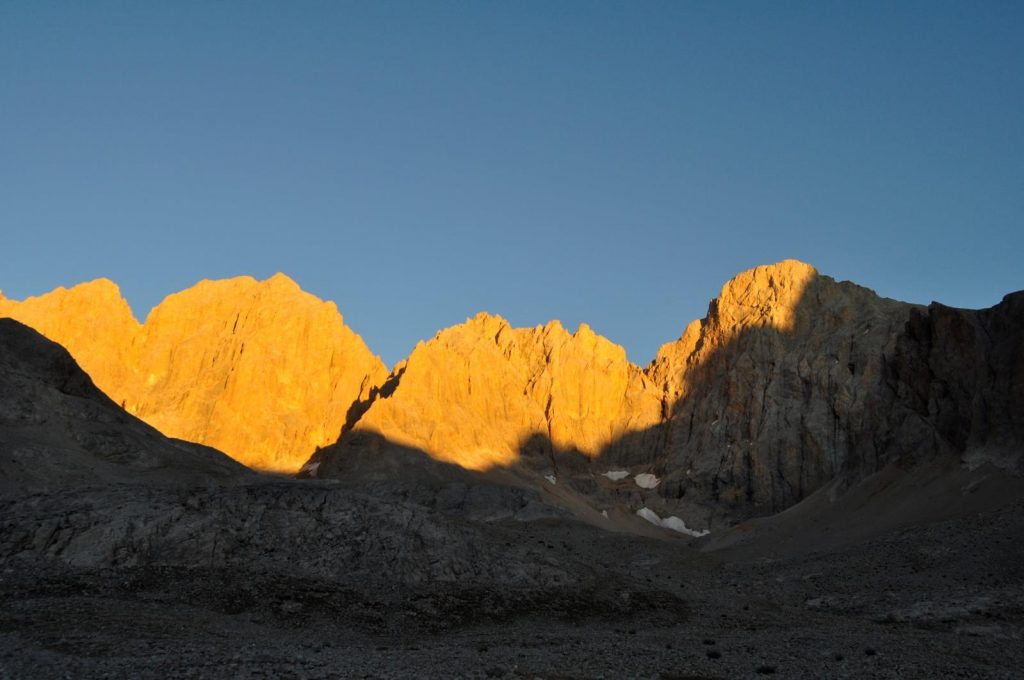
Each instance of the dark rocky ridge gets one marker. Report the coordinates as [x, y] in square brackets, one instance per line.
[960, 373]
[58, 430]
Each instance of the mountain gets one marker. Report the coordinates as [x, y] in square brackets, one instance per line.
[794, 379]
[791, 381]
[91, 320]
[500, 505]
[774, 392]
[478, 393]
[57, 430]
[258, 369]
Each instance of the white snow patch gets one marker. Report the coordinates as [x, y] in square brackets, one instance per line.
[616, 475]
[672, 522]
[550, 478]
[649, 515]
[675, 524]
[604, 513]
[646, 480]
[310, 468]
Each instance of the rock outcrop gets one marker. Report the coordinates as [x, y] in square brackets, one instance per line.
[258, 369]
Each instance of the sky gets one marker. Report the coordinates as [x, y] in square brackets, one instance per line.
[612, 163]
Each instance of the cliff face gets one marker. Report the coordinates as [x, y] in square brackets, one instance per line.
[91, 320]
[260, 370]
[776, 391]
[480, 393]
[794, 380]
[956, 379]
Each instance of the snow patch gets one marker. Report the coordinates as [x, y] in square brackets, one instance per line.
[672, 522]
[616, 475]
[646, 480]
[604, 513]
[676, 524]
[550, 478]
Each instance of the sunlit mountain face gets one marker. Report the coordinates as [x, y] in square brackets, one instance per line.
[258, 369]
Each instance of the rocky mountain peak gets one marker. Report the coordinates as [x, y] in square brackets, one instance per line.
[259, 369]
[478, 392]
[763, 296]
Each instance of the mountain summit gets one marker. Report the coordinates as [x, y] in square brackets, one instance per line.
[258, 369]
[478, 392]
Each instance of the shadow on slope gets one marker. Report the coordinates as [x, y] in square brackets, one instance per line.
[57, 429]
[373, 464]
[895, 497]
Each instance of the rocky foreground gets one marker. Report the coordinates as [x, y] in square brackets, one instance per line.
[312, 580]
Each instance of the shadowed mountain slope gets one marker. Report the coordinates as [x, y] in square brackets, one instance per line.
[850, 383]
[57, 430]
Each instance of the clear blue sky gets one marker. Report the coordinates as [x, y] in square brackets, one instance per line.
[612, 163]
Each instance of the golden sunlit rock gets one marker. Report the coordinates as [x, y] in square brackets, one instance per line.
[92, 321]
[476, 392]
[258, 369]
[766, 297]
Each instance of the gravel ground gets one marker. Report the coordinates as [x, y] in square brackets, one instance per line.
[293, 579]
